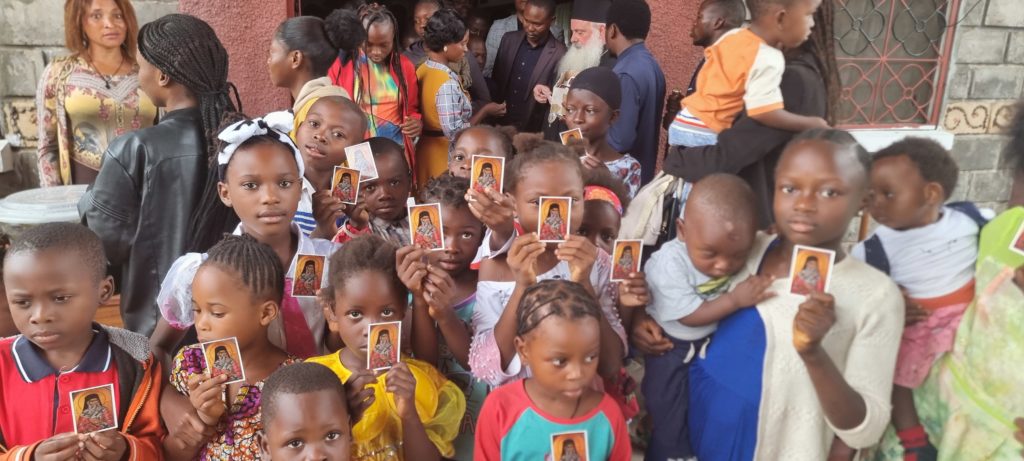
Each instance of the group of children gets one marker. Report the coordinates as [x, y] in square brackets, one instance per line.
[510, 346]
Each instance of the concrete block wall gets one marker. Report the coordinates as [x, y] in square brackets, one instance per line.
[31, 35]
[986, 79]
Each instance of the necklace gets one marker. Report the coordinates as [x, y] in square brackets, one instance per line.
[106, 79]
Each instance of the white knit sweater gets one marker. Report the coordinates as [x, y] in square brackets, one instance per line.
[863, 344]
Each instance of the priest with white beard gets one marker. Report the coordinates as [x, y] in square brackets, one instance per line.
[586, 50]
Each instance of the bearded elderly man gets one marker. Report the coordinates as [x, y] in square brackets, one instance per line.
[586, 50]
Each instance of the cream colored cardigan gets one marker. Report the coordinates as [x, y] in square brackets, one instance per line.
[863, 344]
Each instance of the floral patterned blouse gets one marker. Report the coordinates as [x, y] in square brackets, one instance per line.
[79, 116]
[236, 432]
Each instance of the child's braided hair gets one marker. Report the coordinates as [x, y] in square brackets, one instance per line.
[187, 49]
[254, 262]
[562, 298]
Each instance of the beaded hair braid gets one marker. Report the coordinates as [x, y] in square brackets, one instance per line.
[255, 262]
[562, 298]
[189, 52]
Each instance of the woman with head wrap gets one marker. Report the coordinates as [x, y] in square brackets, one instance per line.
[592, 106]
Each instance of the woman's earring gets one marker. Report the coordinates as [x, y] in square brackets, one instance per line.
[446, 48]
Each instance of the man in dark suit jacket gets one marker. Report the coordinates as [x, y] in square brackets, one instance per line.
[526, 58]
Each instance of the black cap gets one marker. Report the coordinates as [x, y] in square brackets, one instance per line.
[591, 10]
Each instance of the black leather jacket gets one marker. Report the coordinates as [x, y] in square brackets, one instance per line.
[140, 205]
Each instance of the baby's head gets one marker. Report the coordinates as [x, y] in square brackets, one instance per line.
[605, 199]
[56, 278]
[480, 140]
[719, 224]
[305, 415]
[910, 180]
[385, 196]
[790, 21]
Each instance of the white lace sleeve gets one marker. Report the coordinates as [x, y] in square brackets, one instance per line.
[175, 297]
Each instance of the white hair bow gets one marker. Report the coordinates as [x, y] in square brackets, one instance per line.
[276, 124]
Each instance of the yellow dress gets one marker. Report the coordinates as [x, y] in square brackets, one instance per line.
[79, 116]
[378, 435]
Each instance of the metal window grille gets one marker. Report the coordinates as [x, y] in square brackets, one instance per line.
[893, 58]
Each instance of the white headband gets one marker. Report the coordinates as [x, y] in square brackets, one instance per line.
[275, 124]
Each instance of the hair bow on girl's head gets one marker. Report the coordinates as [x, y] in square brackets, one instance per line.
[276, 124]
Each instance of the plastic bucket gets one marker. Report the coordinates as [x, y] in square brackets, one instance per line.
[39, 206]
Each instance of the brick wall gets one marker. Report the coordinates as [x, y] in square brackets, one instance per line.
[986, 79]
[31, 35]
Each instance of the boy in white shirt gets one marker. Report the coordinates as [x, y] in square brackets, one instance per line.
[689, 279]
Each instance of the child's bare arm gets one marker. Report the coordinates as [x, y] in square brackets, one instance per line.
[401, 382]
[164, 340]
[785, 120]
[412, 270]
[186, 433]
[748, 293]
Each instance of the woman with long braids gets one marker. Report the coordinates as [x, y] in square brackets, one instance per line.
[156, 193]
[382, 80]
[87, 99]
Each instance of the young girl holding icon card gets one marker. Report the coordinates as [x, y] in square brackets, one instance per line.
[543, 169]
[364, 288]
[827, 358]
[559, 336]
[265, 158]
[237, 293]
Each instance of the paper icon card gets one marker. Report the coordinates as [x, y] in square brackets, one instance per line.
[425, 226]
[488, 173]
[224, 358]
[568, 135]
[382, 352]
[1017, 244]
[553, 219]
[626, 256]
[94, 409]
[345, 185]
[360, 157]
[308, 275]
[570, 446]
[810, 270]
